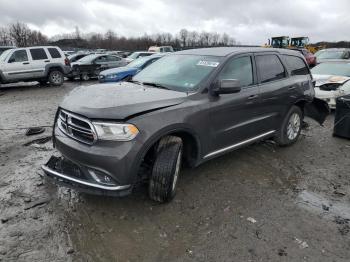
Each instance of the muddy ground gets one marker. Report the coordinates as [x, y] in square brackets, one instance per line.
[260, 203]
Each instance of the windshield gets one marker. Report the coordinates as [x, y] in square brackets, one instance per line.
[330, 55]
[332, 69]
[87, 58]
[139, 62]
[179, 72]
[4, 55]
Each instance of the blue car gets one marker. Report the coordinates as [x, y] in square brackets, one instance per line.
[127, 72]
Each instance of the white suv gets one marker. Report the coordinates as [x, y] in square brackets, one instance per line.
[40, 63]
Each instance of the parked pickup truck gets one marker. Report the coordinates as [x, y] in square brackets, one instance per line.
[186, 108]
[40, 63]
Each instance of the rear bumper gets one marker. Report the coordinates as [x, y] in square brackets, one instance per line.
[69, 174]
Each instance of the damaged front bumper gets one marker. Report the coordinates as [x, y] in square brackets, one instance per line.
[329, 96]
[69, 174]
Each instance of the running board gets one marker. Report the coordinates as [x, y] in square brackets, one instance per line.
[239, 144]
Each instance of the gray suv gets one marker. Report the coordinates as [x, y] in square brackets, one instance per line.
[186, 108]
[40, 63]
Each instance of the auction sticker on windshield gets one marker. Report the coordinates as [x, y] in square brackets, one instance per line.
[208, 63]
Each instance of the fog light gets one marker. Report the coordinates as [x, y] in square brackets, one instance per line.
[102, 178]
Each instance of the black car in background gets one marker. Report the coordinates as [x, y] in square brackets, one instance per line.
[188, 107]
[91, 65]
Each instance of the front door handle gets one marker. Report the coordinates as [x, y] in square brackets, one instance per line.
[47, 61]
[252, 97]
[26, 63]
[291, 87]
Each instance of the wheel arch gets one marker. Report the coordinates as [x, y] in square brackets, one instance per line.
[49, 68]
[191, 146]
[301, 104]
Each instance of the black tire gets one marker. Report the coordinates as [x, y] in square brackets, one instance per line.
[166, 169]
[56, 78]
[84, 77]
[291, 127]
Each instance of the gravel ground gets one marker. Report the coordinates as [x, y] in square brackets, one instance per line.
[260, 203]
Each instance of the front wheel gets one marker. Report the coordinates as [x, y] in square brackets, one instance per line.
[84, 77]
[166, 169]
[56, 78]
[291, 127]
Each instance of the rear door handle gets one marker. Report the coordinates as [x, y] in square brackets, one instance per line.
[252, 97]
[26, 63]
[291, 87]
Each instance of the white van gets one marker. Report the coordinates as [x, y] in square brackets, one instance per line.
[161, 49]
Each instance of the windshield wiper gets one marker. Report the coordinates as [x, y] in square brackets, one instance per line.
[134, 81]
[155, 85]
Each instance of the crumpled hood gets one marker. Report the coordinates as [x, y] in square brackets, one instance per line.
[118, 101]
[329, 79]
[117, 70]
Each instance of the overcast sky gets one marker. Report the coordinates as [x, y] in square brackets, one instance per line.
[249, 21]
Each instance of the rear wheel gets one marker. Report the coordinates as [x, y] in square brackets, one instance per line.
[56, 78]
[291, 127]
[166, 169]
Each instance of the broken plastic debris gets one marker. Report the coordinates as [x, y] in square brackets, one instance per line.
[34, 131]
[302, 244]
[252, 220]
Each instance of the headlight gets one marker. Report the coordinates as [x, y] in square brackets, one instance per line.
[117, 132]
[112, 76]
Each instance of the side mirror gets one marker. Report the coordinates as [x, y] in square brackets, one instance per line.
[228, 86]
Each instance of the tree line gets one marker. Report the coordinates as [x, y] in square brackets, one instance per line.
[20, 35]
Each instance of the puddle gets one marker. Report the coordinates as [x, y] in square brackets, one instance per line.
[319, 204]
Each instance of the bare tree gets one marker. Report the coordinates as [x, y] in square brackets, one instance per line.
[110, 38]
[214, 39]
[224, 39]
[20, 33]
[193, 37]
[5, 38]
[77, 32]
[183, 36]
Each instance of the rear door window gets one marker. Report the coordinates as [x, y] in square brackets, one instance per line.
[18, 56]
[238, 68]
[113, 58]
[270, 68]
[38, 54]
[101, 59]
[295, 65]
[54, 53]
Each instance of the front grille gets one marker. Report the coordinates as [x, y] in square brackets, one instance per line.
[76, 127]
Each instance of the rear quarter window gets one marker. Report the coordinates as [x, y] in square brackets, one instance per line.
[295, 65]
[270, 68]
[38, 54]
[54, 53]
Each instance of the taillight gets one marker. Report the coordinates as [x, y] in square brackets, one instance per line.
[66, 62]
